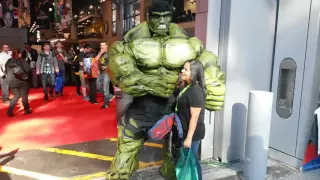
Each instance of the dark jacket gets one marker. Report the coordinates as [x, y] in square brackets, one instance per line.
[11, 77]
[75, 64]
[33, 54]
[61, 63]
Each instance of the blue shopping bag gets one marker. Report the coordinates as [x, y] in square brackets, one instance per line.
[186, 168]
[58, 85]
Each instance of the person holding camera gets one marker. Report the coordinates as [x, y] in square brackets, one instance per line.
[31, 56]
[4, 57]
[103, 81]
[62, 58]
[47, 66]
[88, 74]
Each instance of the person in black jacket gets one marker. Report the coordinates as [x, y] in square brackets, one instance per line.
[17, 71]
[76, 69]
[31, 56]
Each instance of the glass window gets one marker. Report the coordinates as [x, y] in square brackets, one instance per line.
[114, 28]
[131, 15]
[114, 19]
[114, 6]
[114, 15]
[91, 28]
[137, 20]
[286, 86]
[136, 8]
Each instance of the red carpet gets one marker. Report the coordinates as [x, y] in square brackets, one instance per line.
[64, 120]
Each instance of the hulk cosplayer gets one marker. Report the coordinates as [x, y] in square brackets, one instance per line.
[146, 65]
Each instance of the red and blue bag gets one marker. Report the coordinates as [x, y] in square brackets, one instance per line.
[164, 126]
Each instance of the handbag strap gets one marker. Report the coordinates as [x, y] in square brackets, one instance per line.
[180, 94]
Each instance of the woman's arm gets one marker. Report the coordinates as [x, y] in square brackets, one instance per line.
[195, 112]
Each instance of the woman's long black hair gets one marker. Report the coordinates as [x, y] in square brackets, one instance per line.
[197, 73]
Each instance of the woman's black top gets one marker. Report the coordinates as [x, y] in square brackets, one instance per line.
[194, 96]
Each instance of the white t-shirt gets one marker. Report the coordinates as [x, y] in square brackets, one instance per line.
[4, 57]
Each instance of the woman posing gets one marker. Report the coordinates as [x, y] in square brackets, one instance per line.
[191, 106]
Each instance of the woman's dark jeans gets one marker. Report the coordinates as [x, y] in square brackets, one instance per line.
[19, 91]
[194, 149]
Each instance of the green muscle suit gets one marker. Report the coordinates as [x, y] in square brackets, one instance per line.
[146, 65]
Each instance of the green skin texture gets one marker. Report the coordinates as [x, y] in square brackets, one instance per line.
[144, 64]
[148, 61]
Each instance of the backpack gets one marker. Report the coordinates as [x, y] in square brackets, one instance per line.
[18, 71]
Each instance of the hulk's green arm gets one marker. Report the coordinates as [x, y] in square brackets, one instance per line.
[214, 77]
[123, 72]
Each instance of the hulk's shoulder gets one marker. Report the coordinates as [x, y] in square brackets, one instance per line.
[176, 31]
[142, 31]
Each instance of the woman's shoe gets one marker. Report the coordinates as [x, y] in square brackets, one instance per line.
[105, 106]
[10, 114]
[28, 111]
[95, 102]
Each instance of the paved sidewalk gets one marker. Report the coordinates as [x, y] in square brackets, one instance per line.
[90, 160]
[275, 171]
[81, 161]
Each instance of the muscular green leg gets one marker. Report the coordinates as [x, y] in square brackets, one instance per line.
[126, 160]
[168, 168]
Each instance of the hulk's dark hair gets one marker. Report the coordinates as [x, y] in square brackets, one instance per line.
[160, 6]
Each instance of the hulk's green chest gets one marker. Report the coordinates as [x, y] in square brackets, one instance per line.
[153, 53]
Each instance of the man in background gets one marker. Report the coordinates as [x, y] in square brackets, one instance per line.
[62, 57]
[47, 66]
[103, 80]
[75, 70]
[4, 57]
[31, 56]
[85, 53]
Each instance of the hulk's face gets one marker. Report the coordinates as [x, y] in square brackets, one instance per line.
[159, 22]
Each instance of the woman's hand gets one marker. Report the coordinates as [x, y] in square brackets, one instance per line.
[187, 143]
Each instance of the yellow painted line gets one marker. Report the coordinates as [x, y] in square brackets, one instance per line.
[76, 153]
[103, 174]
[90, 176]
[149, 164]
[30, 174]
[94, 156]
[153, 145]
[157, 145]
[113, 139]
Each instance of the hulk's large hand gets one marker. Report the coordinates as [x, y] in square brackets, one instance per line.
[215, 81]
[124, 73]
[214, 77]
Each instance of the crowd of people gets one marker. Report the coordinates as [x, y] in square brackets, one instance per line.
[21, 70]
